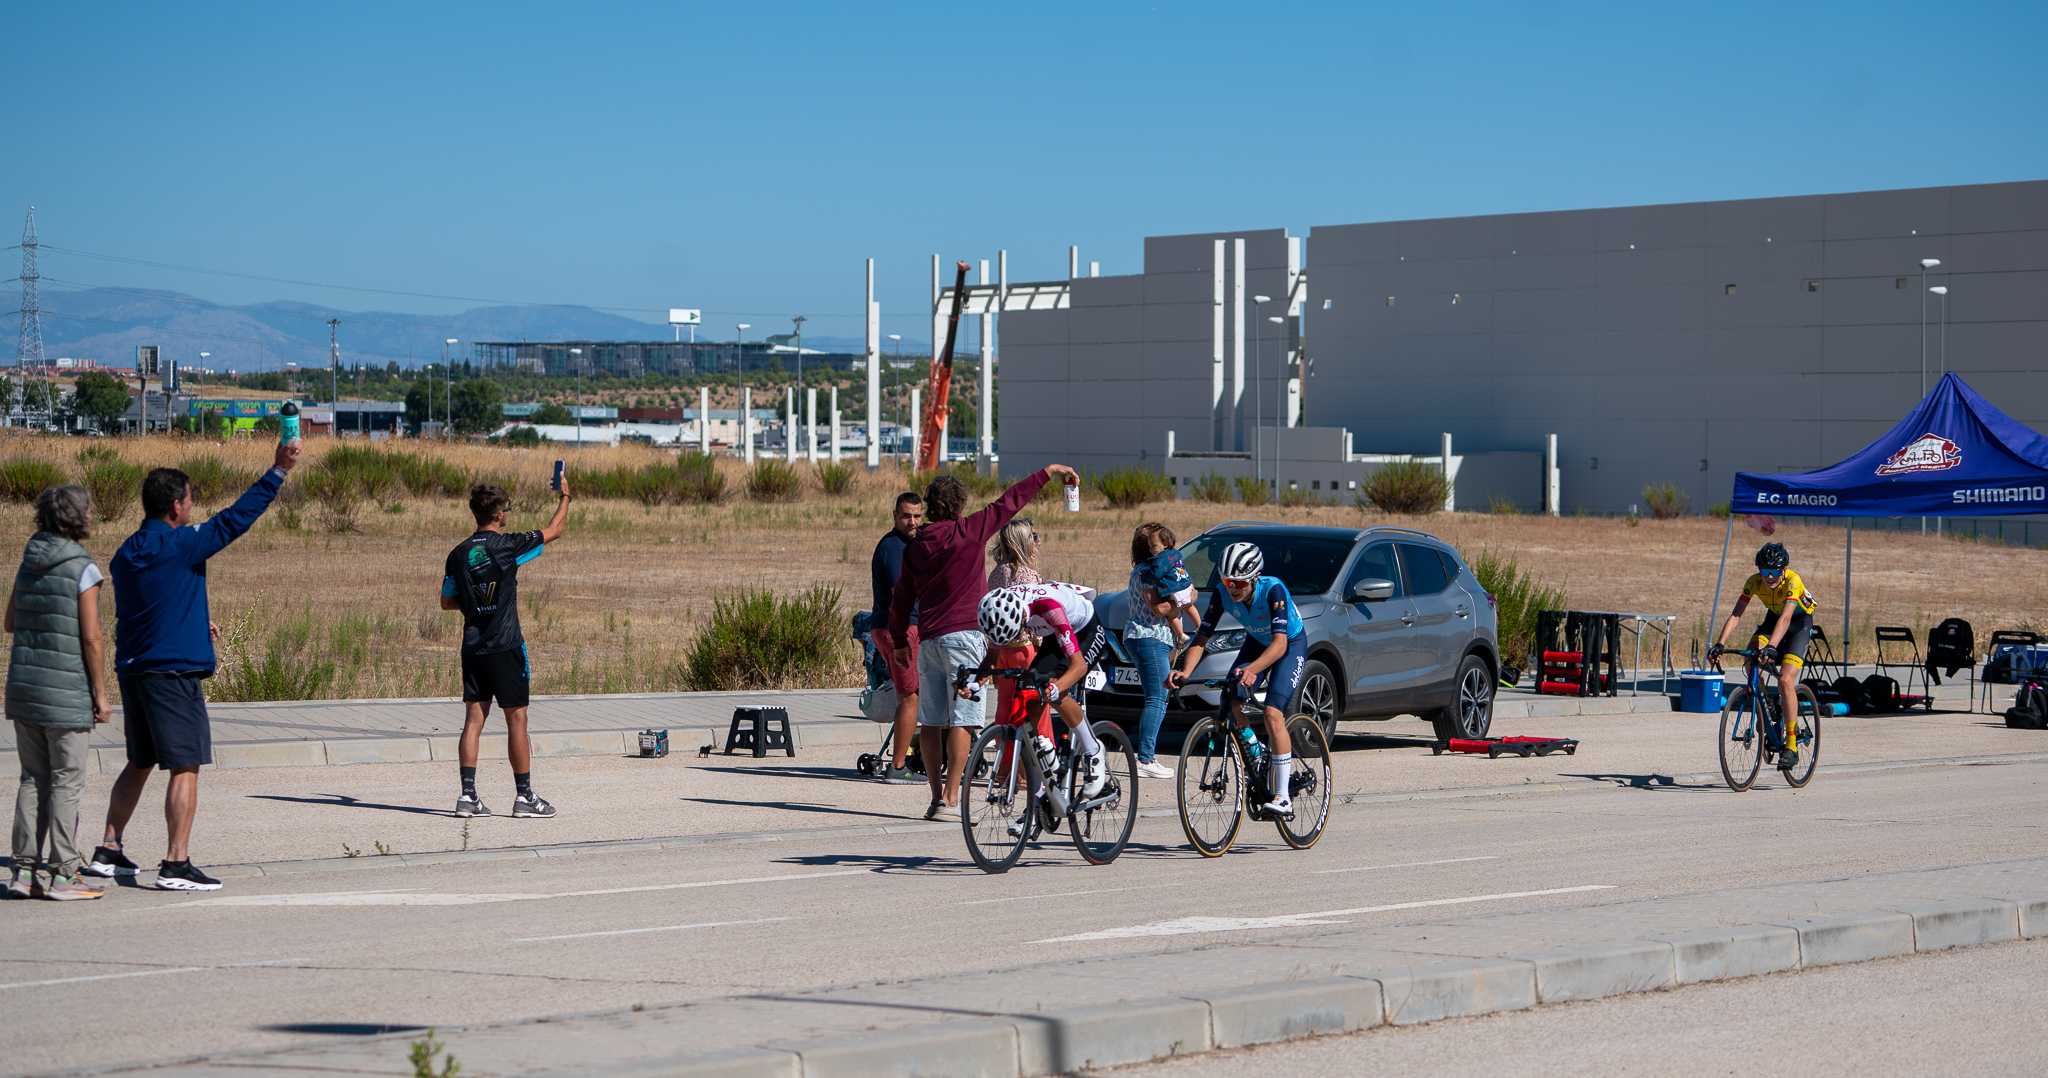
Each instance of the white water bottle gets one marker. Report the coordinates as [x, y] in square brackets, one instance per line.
[1073, 496]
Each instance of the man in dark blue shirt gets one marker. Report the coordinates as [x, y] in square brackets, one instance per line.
[481, 579]
[163, 654]
[883, 570]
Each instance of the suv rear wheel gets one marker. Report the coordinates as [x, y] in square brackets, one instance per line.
[1470, 714]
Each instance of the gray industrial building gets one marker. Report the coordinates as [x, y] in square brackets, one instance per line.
[1674, 343]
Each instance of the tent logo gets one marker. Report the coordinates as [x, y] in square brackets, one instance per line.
[1927, 453]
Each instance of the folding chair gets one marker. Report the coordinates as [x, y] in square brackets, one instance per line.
[1821, 657]
[2008, 658]
[1903, 654]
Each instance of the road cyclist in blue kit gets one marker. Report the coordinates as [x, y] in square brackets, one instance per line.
[1271, 659]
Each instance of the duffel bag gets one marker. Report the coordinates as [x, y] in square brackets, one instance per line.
[2029, 710]
[1882, 692]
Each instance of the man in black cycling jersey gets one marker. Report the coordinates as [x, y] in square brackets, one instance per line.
[1782, 638]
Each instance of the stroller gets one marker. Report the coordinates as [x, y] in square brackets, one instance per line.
[878, 703]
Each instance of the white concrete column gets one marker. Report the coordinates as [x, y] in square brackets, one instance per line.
[1217, 437]
[1094, 269]
[1169, 445]
[1242, 438]
[988, 373]
[1450, 477]
[1552, 493]
[988, 414]
[704, 420]
[789, 424]
[916, 422]
[832, 447]
[874, 354]
[747, 423]
[1073, 262]
[811, 424]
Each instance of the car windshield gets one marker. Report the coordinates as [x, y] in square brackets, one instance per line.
[1308, 565]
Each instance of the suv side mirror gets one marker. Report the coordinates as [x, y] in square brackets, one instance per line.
[1372, 590]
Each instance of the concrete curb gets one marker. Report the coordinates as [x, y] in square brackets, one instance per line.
[1028, 1045]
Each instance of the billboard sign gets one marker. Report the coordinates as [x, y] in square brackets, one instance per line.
[685, 316]
[145, 359]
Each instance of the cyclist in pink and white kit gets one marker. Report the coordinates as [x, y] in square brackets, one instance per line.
[1061, 617]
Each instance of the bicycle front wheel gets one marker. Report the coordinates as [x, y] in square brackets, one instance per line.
[1808, 740]
[1101, 825]
[1741, 740]
[1209, 788]
[1308, 784]
[998, 788]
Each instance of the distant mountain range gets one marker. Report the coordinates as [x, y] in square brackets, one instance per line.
[107, 323]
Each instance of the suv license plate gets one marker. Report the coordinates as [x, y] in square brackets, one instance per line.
[1125, 675]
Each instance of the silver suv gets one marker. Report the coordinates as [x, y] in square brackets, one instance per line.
[1396, 624]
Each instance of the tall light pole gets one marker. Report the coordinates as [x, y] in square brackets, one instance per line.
[895, 361]
[1942, 291]
[810, 436]
[1258, 380]
[447, 387]
[1925, 265]
[1279, 381]
[747, 401]
[575, 361]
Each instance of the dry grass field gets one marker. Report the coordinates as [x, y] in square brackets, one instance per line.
[614, 606]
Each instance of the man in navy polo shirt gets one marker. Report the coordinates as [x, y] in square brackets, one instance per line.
[163, 654]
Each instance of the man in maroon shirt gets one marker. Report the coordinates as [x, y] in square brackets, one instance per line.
[944, 580]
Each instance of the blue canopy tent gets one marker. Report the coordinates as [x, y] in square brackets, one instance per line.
[1954, 455]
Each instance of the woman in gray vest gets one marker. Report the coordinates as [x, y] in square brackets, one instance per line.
[56, 691]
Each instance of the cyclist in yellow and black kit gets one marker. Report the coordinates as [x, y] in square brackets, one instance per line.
[1782, 638]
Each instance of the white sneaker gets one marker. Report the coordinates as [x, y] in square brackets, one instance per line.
[1280, 809]
[1096, 776]
[1153, 769]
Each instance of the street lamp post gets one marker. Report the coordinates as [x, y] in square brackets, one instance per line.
[746, 398]
[1258, 380]
[1942, 291]
[575, 361]
[810, 436]
[1280, 382]
[447, 388]
[1925, 265]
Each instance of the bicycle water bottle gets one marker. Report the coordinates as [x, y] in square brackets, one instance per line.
[288, 423]
[1253, 751]
[1049, 770]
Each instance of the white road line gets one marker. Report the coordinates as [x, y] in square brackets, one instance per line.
[412, 897]
[637, 931]
[1405, 864]
[143, 973]
[1064, 894]
[1184, 926]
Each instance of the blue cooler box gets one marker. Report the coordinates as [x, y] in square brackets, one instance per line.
[1700, 690]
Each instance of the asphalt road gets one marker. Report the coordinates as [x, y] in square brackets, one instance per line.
[835, 900]
[1975, 1012]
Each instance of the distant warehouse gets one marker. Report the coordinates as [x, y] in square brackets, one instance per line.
[637, 359]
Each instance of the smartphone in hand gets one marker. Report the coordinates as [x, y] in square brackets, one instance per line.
[556, 482]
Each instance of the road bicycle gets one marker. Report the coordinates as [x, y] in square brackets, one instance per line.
[1222, 777]
[1009, 795]
[1753, 730]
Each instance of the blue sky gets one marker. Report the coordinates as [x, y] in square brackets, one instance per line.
[745, 158]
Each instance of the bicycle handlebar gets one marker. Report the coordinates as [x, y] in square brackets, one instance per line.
[1026, 676]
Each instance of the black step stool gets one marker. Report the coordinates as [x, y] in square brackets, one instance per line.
[760, 729]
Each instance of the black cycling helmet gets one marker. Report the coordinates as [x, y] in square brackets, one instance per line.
[1771, 558]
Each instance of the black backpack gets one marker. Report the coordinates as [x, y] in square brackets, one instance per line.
[1882, 692]
[2029, 710]
[1851, 693]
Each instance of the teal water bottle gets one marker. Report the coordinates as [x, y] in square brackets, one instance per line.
[1253, 750]
[288, 423]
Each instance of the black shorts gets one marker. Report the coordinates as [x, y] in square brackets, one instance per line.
[501, 675]
[164, 716]
[1797, 638]
[1051, 659]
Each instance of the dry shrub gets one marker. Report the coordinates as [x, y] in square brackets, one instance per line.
[1405, 487]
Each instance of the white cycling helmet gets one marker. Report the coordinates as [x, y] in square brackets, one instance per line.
[1002, 615]
[1241, 561]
